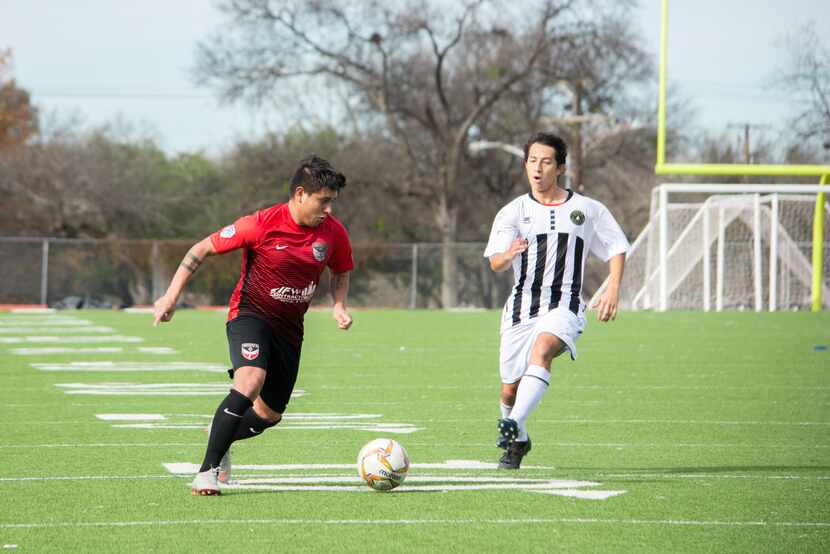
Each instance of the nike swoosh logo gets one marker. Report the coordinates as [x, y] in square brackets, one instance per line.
[281, 246]
[254, 431]
[227, 411]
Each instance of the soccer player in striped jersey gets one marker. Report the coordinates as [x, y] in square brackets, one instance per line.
[545, 236]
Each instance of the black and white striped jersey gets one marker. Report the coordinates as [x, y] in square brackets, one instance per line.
[549, 273]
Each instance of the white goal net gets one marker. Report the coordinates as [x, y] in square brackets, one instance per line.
[721, 247]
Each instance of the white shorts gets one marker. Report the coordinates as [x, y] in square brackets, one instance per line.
[517, 341]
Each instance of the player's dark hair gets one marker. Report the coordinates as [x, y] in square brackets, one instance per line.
[315, 173]
[551, 140]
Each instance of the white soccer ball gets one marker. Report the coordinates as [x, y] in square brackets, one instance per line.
[383, 464]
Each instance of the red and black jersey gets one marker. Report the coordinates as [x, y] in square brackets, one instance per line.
[281, 265]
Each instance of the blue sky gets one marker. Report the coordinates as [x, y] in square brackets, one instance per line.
[103, 59]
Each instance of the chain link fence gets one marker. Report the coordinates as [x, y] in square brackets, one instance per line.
[120, 273]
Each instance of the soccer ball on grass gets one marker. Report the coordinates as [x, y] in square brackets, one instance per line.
[383, 464]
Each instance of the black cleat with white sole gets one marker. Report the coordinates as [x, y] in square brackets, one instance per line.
[512, 457]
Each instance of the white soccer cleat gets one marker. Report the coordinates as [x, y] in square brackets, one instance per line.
[206, 483]
[225, 468]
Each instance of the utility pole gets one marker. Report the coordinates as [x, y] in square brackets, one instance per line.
[747, 126]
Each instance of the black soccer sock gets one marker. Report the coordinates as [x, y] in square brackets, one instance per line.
[226, 420]
[251, 426]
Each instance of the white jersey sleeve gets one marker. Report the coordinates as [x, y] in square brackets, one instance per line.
[505, 229]
[609, 237]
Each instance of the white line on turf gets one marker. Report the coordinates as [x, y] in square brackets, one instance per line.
[438, 522]
[709, 476]
[645, 422]
[105, 445]
[41, 351]
[295, 421]
[567, 386]
[5, 322]
[108, 366]
[131, 417]
[152, 389]
[55, 330]
[69, 339]
[46, 351]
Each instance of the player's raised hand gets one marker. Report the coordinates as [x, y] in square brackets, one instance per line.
[342, 317]
[518, 246]
[606, 305]
[163, 310]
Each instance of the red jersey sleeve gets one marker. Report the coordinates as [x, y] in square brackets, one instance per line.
[242, 233]
[341, 259]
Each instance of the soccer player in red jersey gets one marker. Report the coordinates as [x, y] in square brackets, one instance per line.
[286, 248]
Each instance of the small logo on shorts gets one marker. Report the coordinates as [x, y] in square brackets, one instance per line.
[319, 249]
[250, 350]
[577, 217]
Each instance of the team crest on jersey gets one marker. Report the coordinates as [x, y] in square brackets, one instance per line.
[250, 350]
[577, 217]
[319, 249]
[228, 232]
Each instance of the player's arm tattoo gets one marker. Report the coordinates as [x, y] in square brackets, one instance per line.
[339, 286]
[191, 262]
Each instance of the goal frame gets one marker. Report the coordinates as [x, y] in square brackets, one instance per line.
[663, 168]
[656, 232]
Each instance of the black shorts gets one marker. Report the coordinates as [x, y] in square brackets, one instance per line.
[252, 342]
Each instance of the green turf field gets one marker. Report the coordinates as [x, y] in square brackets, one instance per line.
[704, 433]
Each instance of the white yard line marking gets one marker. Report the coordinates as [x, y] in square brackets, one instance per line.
[105, 445]
[711, 476]
[55, 330]
[157, 350]
[5, 322]
[186, 468]
[566, 386]
[443, 522]
[69, 339]
[644, 422]
[681, 422]
[153, 389]
[294, 422]
[87, 478]
[47, 351]
[130, 417]
[110, 366]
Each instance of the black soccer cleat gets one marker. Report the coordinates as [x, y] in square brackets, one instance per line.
[502, 442]
[508, 430]
[512, 457]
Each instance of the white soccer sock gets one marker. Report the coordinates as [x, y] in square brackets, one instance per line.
[532, 388]
[505, 410]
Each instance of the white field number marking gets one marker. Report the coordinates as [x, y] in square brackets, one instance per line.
[414, 483]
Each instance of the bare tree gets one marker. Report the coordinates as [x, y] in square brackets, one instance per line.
[807, 76]
[428, 73]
